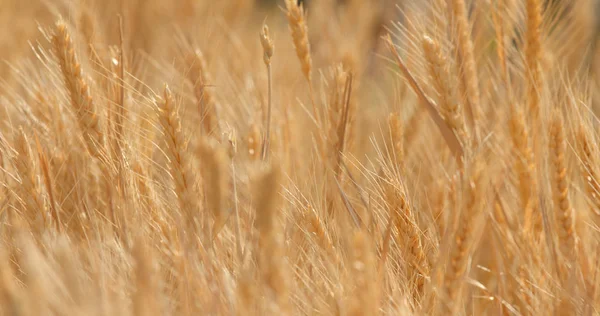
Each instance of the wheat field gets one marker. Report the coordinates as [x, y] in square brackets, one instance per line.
[245, 157]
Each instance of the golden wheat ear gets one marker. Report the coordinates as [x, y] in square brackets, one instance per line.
[77, 87]
[179, 158]
[271, 251]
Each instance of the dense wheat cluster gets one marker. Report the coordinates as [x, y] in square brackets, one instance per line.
[244, 157]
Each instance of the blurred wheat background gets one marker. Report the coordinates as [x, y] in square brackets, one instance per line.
[244, 157]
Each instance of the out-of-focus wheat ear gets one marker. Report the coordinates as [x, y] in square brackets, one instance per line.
[268, 48]
[588, 153]
[317, 227]
[299, 30]
[28, 190]
[564, 214]
[45, 168]
[334, 113]
[215, 166]
[339, 121]
[145, 298]
[464, 240]
[467, 64]
[365, 297]
[417, 265]
[440, 77]
[439, 11]
[533, 56]
[525, 168]
[397, 140]
[77, 87]
[178, 157]
[247, 296]
[88, 28]
[201, 81]
[272, 263]
[118, 96]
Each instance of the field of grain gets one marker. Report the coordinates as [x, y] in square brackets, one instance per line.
[246, 157]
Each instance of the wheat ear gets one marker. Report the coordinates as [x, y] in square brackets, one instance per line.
[564, 214]
[200, 79]
[177, 154]
[533, 54]
[451, 139]
[268, 48]
[464, 240]
[417, 266]
[29, 189]
[440, 76]
[271, 256]
[468, 75]
[215, 177]
[76, 85]
[299, 29]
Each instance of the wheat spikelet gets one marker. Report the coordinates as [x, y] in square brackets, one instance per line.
[81, 100]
